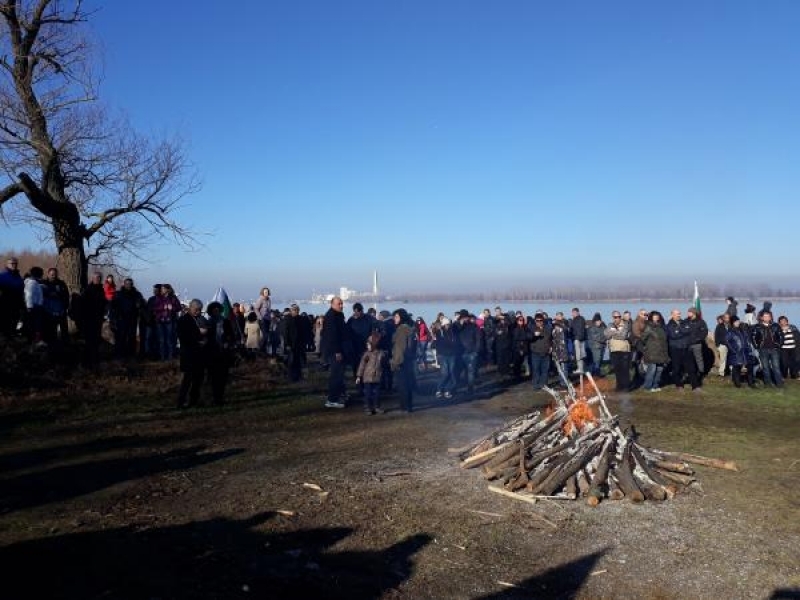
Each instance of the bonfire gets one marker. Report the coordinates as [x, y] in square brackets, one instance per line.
[576, 449]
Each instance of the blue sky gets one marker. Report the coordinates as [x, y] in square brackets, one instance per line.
[467, 145]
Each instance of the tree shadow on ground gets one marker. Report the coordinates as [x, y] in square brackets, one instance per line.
[26, 459]
[563, 581]
[785, 594]
[68, 481]
[217, 558]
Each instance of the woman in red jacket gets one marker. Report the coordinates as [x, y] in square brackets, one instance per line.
[424, 338]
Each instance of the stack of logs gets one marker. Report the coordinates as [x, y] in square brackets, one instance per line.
[577, 449]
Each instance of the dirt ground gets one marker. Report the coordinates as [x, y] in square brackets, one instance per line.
[107, 491]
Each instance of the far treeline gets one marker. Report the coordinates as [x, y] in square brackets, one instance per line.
[602, 293]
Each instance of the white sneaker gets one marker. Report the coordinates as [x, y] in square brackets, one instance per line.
[330, 404]
[438, 394]
[448, 395]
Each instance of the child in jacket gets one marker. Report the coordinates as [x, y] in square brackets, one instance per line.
[369, 372]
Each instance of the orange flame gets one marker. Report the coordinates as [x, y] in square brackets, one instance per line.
[580, 415]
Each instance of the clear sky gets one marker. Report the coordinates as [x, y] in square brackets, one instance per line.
[464, 145]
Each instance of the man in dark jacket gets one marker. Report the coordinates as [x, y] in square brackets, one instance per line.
[697, 339]
[93, 311]
[679, 336]
[336, 350]
[766, 338]
[448, 348]
[578, 330]
[56, 305]
[193, 338]
[294, 342]
[470, 339]
[541, 344]
[126, 307]
[359, 327]
[12, 298]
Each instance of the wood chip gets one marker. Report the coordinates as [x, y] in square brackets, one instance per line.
[312, 486]
[484, 513]
[286, 513]
[600, 572]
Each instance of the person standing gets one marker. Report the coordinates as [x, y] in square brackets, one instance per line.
[359, 327]
[596, 342]
[56, 303]
[334, 349]
[369, 372]
[578, 329]
[263, 309]
[404, 356]
[294, 343]
[697, 339]
[34, 305]
[655, 353]
[220, 342]
[682, 360]
[740, 354]
[447, 349]
[126, 307]
[541, 343]
[790, 338]
[93, 308]
[470, 338]
[766, 337]
[721, 341]
[193, 336]
[618, 336]
[12, 297]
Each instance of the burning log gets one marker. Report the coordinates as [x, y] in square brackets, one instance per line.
[577, 449]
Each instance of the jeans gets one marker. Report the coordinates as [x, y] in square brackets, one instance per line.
[471, 366]
[422, 353]
[164, 338]
[652, 376]
[265, 335]
[407, 382]
[447, 380]
[771, 364]
[597, 351]
[371, 397]
[540, 369]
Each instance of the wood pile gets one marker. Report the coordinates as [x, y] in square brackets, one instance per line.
[576, 449]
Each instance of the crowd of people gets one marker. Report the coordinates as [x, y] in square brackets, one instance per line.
[376, 350]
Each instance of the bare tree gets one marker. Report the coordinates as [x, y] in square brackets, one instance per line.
[84, 179]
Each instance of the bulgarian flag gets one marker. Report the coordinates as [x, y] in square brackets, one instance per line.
[696, 301]
[221, 296]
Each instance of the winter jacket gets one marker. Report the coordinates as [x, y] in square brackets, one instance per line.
[654, 344]
[619, 337]
[760, 332]
[739, 351]
[678, 334]
[720, 334]
[360, 328]
[559, 343]
[192, 342]
[596, 334]
[33, 294]
[447, 342]
[541, 339]
[400, 346]
[127, 304]
[470, 337]
[263, 308]
[370, 368]
[698, 331]
[252, 330]
[578, 328]
[731, 310]
[520, 341]
[56, 297]
[335, 336]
